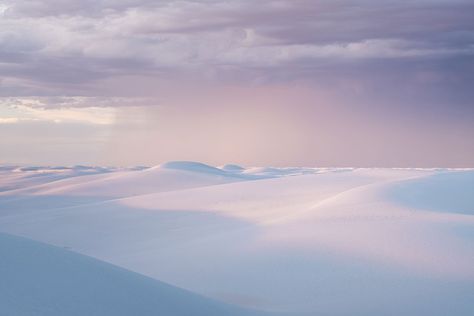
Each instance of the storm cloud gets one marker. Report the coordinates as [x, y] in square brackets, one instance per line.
[71, 44]
[391, 60]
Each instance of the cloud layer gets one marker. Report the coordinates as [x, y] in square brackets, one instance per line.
[386, 61]
[63, 47]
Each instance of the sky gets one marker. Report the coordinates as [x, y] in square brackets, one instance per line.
[364, 83]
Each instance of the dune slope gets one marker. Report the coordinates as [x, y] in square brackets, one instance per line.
[298, 240]
[38, 279]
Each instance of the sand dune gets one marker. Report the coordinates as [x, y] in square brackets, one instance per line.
[295, 240]
[39, 279]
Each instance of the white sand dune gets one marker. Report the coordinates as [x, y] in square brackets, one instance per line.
[166, 177]
[39, 279]
[296, 240]
[22, 177]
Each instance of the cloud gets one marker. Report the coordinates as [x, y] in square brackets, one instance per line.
[340, 65]
[91, 115]
[9, 120]
[72, 47]
[17, 110]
